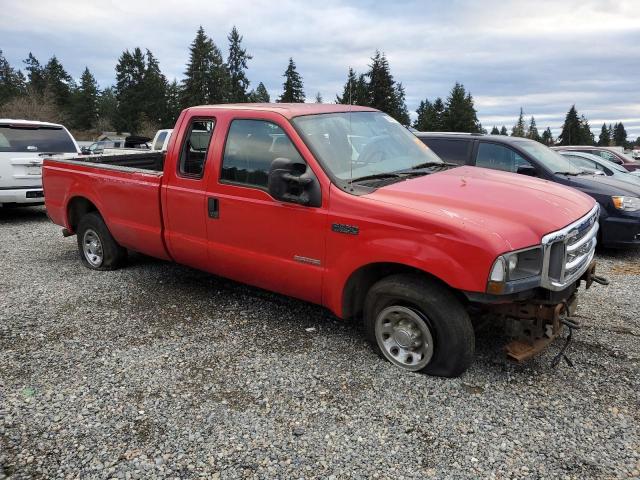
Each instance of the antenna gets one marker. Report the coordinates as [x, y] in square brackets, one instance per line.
[349, 140]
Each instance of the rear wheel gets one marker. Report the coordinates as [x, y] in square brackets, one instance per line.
[419, 325]
[98, 249]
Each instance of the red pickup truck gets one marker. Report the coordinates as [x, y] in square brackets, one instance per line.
[341, 206]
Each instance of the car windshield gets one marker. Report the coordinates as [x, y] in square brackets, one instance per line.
[18, 138]
[550, 159]
[354, 145]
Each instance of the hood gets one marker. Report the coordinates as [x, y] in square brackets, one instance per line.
[518, 209]
[605, 185]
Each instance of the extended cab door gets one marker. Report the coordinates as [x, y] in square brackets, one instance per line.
[184, 188]
[252, 237]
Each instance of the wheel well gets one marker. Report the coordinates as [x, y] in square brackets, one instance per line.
[360, 281]
[78, 207]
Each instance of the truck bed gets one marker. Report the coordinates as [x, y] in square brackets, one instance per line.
[124, 189]
[144, 161]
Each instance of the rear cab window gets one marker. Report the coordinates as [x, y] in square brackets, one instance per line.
[35, 139]
[450, 150]
[195, 148]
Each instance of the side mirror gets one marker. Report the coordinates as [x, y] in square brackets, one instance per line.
[85, 151]
[526, 170]
[294, 182]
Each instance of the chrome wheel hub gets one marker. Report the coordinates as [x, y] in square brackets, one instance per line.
[404, 337]
[92, 248]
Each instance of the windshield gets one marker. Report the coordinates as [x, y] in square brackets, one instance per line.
[36, 140]
[550, 159]
[360, 144]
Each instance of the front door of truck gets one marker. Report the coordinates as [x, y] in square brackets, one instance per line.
[184, 191]
[254, 238]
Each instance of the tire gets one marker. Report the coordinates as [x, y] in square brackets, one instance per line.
[423, 321]
[97, 247]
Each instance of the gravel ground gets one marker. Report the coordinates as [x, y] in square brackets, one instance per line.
[159, 370]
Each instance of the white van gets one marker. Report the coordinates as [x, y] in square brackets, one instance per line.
[23, 146]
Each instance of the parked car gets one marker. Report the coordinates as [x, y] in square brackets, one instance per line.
[23, 143]
[619, 201]
[613, 154]
[273, 196]
[132, 143]
[635, 153]
[599, 164]
[161, 139]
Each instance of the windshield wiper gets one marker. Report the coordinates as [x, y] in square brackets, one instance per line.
[574, 174]
[433, 164]
[376, 176]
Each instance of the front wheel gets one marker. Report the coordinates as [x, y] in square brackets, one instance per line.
[419, 325]
[98, 249]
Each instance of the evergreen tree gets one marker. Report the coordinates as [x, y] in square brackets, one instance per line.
[155, 91]
[293, 89]
[382, 92]
[35, 75]
[460, 114]
[547, 137]
[518, 129]
[503, 131]
[604, 140]
[610, 129]
[429, 116]
[350, 90]
[586, 135]
[173, 105]
[107, 109]
[237, 64]
[495, 131]
[260, 95]
[401, 113]
[571, 130]
[207, 78]
[129, 90]
[532, 131]
[318, 98]
[59, 83]
[620, 135]
[85, 102]
[12, 82]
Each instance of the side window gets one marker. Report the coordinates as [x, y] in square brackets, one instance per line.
[454, 151]
[160, 141]
[583, 162]
[499, 157]
[251, 147]
[608, 156]
[193, 153]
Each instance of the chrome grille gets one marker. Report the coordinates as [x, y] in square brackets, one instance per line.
[569, 251]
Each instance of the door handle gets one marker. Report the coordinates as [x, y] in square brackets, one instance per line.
[213, 207]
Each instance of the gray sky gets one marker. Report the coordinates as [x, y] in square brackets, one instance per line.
[542, 55]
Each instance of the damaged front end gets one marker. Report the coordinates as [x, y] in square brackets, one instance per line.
[533, 291]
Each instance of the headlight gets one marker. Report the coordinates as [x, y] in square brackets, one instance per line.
[514, 266]
[628, 204]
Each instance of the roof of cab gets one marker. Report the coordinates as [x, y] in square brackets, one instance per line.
[289, 110]
[11, 121]
[471, 136]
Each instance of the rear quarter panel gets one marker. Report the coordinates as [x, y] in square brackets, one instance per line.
[128, 201]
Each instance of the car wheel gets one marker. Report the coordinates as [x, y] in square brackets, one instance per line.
[419, 325]
[98, 249]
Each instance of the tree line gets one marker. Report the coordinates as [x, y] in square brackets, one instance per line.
[143, 99]
[575, 131]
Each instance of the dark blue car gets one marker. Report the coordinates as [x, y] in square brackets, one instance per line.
[619, 200]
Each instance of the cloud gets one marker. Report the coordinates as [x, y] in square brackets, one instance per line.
[543, 56]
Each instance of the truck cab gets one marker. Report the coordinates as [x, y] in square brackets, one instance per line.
[343, 207]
